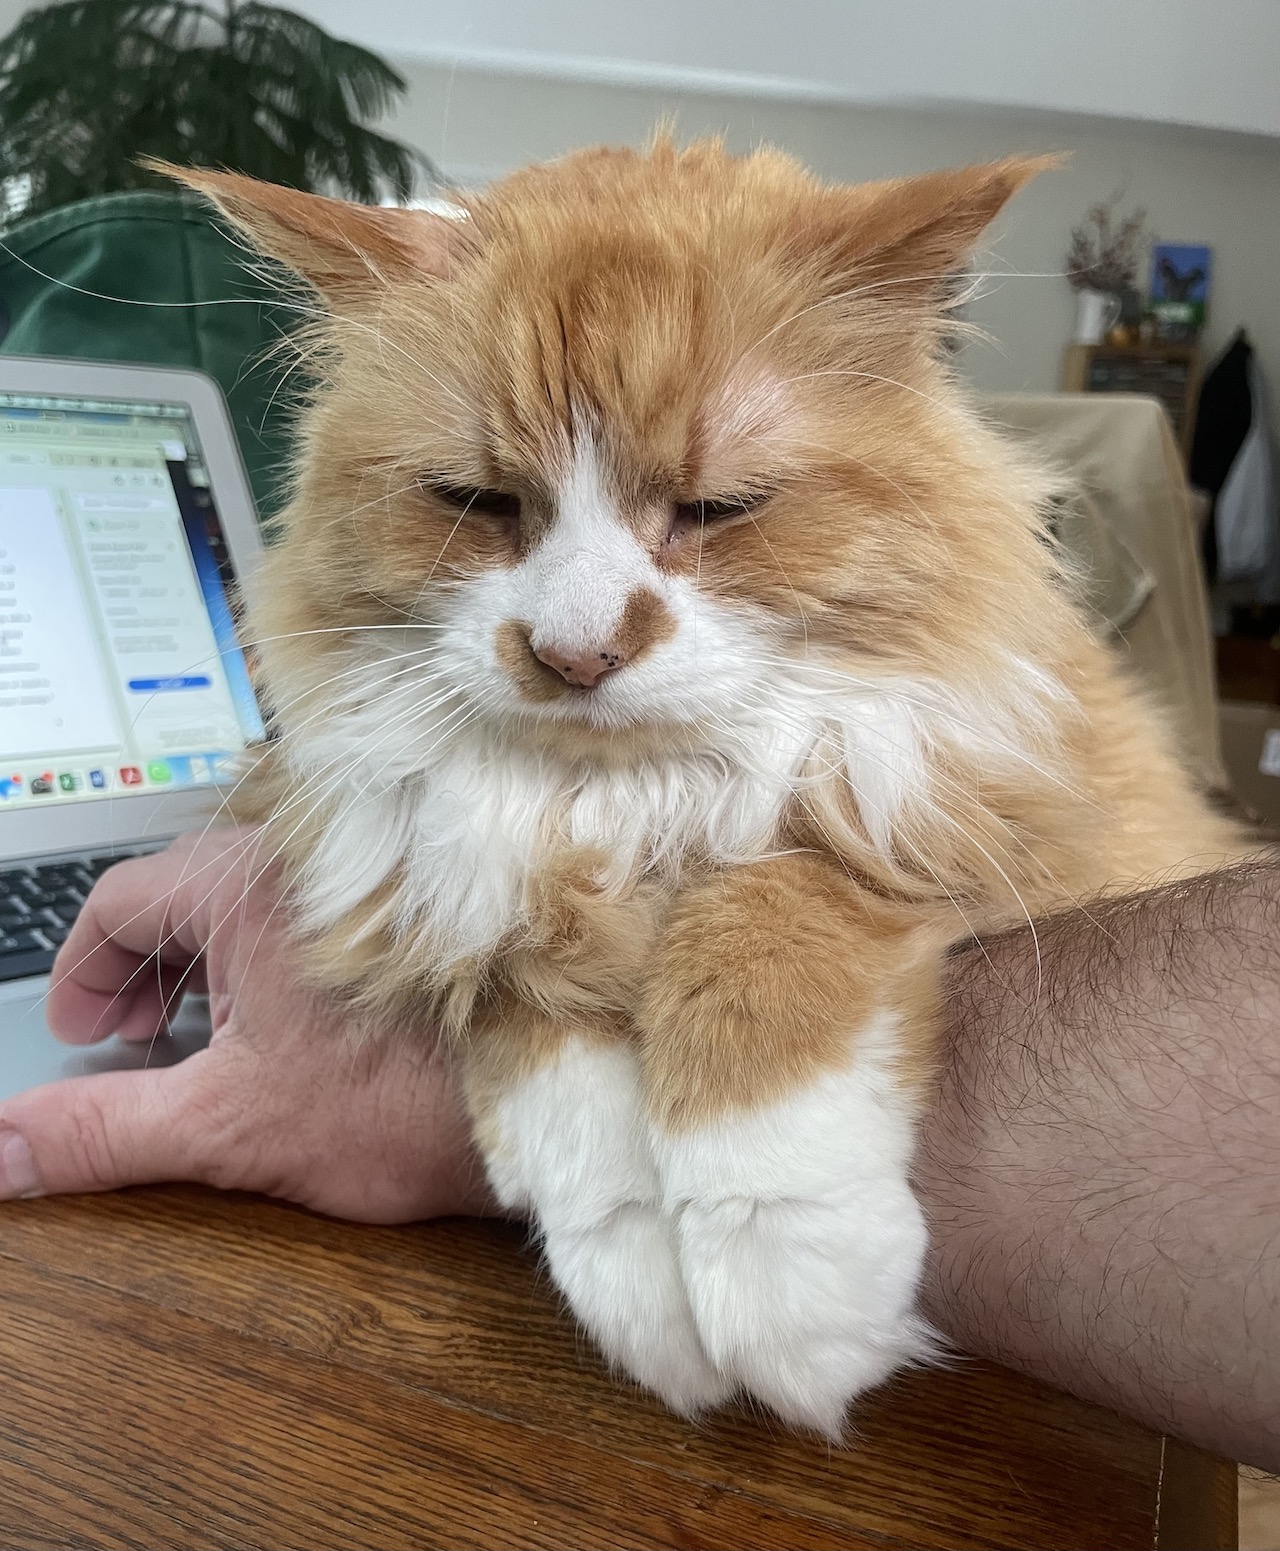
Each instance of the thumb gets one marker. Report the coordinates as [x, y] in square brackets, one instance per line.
[100, 1132]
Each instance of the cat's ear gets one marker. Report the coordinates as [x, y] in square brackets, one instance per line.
[910, 234]
[347, 252]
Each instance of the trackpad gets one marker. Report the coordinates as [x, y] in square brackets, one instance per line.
[30, 1055]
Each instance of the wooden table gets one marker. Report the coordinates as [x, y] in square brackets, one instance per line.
[182, 1369]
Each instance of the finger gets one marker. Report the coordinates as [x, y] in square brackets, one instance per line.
[101, 1132]
[153, 905]
[162, 988]
[140, 1010]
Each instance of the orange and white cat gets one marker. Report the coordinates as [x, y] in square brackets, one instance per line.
[669, 664]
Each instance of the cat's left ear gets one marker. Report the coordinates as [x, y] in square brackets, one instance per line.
[347, 252]
[910, 234]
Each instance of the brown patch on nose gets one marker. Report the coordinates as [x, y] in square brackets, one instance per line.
[547, 672]
[535, 681]
[646, 621]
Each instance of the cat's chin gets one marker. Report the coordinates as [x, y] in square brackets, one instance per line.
[589, 734]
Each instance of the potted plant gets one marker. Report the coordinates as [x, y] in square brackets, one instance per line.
[90, 86]
[1102, 267]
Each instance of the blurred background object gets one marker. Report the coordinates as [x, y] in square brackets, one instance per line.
[1102, 268]
[89, 86]
[151, 276]
[104, 259]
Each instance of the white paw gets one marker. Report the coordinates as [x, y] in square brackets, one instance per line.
[800, 1242]
[573, 1150]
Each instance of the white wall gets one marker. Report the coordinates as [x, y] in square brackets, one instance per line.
[1197, 186]
[1211, 63]
[1212, 59]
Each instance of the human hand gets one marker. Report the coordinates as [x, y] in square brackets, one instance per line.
[292, 1097]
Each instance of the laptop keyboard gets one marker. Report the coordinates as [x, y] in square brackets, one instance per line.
[38, 906]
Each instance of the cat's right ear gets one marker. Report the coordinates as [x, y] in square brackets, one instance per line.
[901, 240]
[347, 252]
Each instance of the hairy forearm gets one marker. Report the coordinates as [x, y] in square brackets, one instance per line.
[1102, 1168]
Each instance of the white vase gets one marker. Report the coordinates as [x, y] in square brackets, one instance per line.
[1097, 313]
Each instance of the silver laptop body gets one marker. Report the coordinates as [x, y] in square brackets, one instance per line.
[126, 523]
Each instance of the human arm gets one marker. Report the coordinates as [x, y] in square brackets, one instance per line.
[1102, 1168]
[1099, 1170]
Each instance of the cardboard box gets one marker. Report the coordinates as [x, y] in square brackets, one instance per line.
[1251, 753]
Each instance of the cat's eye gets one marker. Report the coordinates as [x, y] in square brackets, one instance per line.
[689, 514]
[475, 498]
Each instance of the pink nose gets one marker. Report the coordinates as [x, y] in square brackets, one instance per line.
[583, 669]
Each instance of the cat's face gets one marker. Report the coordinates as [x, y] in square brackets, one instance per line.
[632, 431]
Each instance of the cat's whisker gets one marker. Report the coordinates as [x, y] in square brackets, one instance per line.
[409, 661]
[129, 920]
[280, 709]
[898, 830]
[142, 968]
[297, 364]
[887, 282]
[901, 835]
[307, 792]
[359, 797]
[429, 702]
[224, 806]
[449, 725]
[895, 688]
[354, 696]
[729, 309]
[332, 324]
[801, 612]
[236, 906]
[250, 642]
[812, 735]
[892, 382]
[295, 728]
[697, 586]
[844, 456]
[448, 540]
[385, 497]
[838, 772]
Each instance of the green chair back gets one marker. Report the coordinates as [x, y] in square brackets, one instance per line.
[69, 279]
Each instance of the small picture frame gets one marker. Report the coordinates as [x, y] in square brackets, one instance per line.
[1180, 276]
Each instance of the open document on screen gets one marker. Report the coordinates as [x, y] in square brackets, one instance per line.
[120, 671]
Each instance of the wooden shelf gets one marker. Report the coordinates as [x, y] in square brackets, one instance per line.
[1170, 373]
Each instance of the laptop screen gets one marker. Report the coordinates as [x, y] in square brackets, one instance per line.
[120, 671]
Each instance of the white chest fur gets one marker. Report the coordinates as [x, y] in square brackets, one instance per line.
[462, 815]
[465, 837]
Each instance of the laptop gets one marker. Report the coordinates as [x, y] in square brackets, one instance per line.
[126, 521]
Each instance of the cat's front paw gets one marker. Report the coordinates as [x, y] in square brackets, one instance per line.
[622, 1279]
[570, 1147]
[799, 1302]
[800, 1243]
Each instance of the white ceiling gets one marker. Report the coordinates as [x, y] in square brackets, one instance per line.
[1208, 63]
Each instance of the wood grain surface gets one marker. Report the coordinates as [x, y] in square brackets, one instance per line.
[188, 1370]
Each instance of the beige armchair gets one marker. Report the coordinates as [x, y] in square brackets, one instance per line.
[1132, 525]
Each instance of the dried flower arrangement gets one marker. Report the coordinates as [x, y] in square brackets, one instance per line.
[1104, 257]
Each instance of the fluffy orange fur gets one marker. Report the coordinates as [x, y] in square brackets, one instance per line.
[902, 535]
[728, 326]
